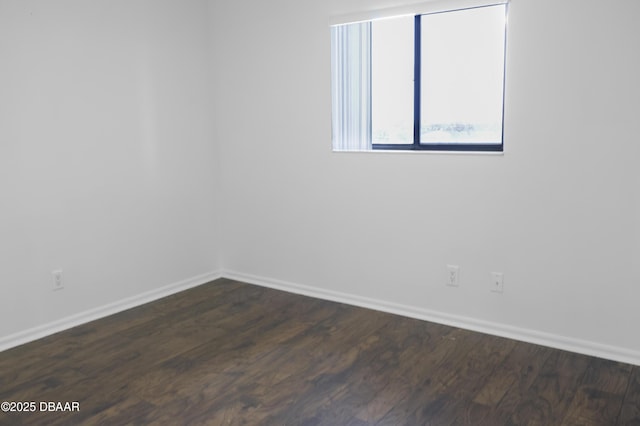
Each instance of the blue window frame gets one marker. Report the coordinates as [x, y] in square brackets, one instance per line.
[457, 82]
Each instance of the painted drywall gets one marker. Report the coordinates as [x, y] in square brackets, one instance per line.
[146, 143]
[558, 213]
[108, 163]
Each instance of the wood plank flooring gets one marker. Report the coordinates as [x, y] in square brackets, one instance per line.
[228, 353]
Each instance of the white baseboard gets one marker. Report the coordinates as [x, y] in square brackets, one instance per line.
[497, 329]
[503, 330]
[38, 332]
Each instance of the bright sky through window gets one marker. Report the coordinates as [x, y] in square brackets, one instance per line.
[392, 80]
[432, 81]
[462, 73]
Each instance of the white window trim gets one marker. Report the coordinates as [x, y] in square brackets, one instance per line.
[362, 142]
[421, 8]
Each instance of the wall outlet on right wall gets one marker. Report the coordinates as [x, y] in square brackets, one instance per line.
[453, 276]
[497, 282]
[58, 284]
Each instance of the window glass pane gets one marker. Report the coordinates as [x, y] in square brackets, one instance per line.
[462, 72]
[392, 54]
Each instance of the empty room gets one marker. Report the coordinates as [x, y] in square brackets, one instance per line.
[319, 212]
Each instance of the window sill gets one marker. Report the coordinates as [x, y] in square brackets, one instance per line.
[421, 152]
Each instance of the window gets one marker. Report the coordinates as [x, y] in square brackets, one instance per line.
[432, 81]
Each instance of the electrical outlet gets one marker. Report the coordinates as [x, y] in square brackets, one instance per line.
[497, 282]
[453, 275]
[57, 280]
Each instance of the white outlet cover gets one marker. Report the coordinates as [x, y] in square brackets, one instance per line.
[58, 284]
[452, 279]
[497, 282]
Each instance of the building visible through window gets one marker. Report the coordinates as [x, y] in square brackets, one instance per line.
[425, 82]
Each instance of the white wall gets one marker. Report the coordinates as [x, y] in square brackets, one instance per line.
[558, 213]
[108, 166]
[144, 143]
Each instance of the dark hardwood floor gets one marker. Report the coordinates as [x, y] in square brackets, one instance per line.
[233, 353]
